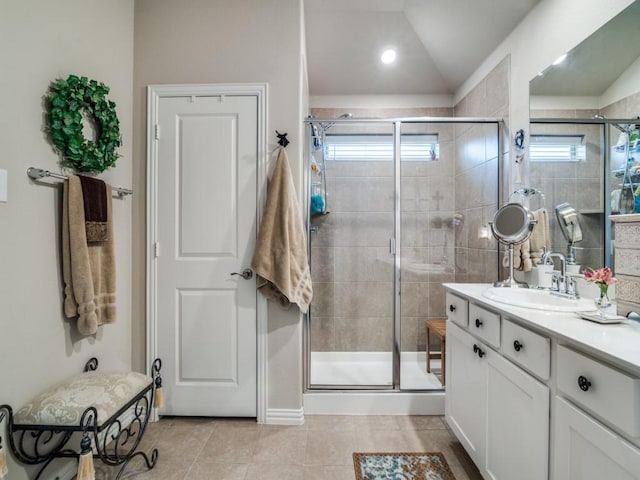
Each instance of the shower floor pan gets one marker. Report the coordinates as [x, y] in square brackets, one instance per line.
[422, 395]
[344, 369]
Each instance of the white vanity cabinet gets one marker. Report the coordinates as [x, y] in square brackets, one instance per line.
[550, 396]
[465, 401]
[499, 412]
[591, 392]
[586, 450]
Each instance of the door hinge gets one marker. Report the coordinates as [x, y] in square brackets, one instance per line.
[156, 249]
[157, 131]
[392, 246]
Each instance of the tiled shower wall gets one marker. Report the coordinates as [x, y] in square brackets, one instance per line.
[351, 265]
[476, 176]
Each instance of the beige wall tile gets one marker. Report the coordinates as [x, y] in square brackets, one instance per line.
[322, 334]
[364, 334]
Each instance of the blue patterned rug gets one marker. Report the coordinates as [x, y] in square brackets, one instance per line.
[401, 466]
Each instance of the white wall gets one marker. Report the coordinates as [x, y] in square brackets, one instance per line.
[552, 28]
[41, 41]
[225, 41]
[627, 84]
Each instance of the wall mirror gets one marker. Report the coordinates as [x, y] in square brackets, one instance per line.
[580, 110]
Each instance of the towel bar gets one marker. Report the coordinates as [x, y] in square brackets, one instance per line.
[38, 173]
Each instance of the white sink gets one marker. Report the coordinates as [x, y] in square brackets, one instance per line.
[537, 299]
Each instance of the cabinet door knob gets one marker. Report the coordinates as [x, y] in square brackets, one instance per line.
[478, 350]
[478, 323]
[452, 308]
[517, 345]
[583, 383]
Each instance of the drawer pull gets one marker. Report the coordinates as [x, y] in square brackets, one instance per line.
[517, 345]
[452, 308]
[478, 323]
[583, 383]
[478, 350]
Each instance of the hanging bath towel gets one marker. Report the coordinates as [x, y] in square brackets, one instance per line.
[540, 235]
[88, 268]
[280, 257]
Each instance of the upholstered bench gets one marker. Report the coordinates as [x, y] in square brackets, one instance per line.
[110, 408]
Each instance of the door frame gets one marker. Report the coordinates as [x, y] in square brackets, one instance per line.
[154, 94]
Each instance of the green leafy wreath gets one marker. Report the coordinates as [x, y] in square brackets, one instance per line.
[68, 100]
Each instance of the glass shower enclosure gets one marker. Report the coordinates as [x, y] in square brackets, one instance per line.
[386, 201]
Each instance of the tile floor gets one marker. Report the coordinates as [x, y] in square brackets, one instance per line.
[321, 449]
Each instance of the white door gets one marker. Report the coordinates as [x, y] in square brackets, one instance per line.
[465, 401]
[586, 450]
[517, 423]
[207, 148]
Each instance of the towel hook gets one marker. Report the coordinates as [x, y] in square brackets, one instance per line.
[282, 139]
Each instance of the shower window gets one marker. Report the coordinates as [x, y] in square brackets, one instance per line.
[380, 147]
[557, 148]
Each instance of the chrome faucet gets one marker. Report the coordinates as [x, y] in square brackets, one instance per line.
[563, 284]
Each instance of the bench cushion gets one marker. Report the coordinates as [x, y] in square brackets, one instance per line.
[64, 404]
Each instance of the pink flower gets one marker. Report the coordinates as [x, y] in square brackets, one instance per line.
[600, 276]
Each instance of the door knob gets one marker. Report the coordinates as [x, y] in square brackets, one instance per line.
[247, 274]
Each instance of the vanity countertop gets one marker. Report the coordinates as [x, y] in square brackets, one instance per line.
[617, 343]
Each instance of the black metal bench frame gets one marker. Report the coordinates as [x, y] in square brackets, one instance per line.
[114, 443]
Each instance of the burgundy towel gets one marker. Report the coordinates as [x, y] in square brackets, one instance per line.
[94, 196]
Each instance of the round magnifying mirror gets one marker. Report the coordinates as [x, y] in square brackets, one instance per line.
[512, 223]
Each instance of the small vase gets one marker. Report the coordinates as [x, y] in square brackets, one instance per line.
[602, 302]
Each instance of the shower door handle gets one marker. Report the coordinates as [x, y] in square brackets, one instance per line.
[247, 274]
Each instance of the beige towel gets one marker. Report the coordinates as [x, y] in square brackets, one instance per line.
[521, 257]
[88, 270]
[539, 235]
[280, 257]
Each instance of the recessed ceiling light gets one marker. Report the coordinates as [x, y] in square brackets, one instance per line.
[388, 56]
[560, 59]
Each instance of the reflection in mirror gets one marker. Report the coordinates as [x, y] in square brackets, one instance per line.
[579, 151]
[569, 223]
[577, 180]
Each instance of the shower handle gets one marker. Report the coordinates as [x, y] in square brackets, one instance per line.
[247, 274]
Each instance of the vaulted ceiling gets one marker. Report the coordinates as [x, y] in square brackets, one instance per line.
[439, 43]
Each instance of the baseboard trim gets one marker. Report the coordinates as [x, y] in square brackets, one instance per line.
[285, 416]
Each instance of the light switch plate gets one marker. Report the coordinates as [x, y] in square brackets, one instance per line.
[3, 186]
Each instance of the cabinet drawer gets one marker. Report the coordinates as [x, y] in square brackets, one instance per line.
[606, 392]
[485, 324]
[529, 349]
[457, 309]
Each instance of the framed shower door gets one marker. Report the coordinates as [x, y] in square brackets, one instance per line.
[351, 317]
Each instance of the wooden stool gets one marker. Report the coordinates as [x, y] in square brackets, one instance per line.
[439, 328]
